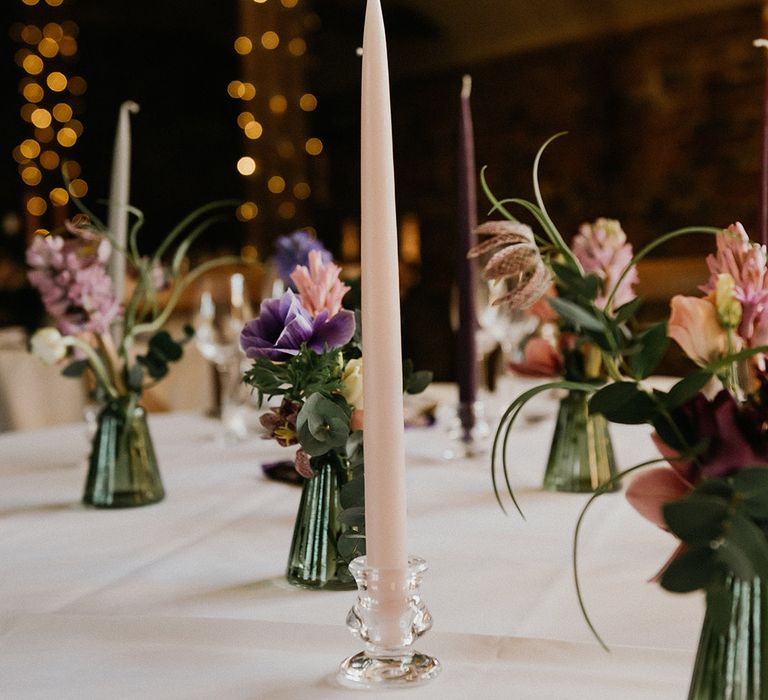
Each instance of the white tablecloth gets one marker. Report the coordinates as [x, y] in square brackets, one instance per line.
[186, 598]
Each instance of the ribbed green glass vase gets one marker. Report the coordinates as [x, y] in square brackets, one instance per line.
[732, 659]
[581, 457]
[122, 468]
[314, 560]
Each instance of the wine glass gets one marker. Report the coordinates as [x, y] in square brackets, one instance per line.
[222, 312]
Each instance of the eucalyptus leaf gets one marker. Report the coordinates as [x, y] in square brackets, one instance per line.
[623, 402]
[75, 369]
[696, 519]
[353, 516]
[692, 569]
[350, 545]
[352, 493]
[418, 381]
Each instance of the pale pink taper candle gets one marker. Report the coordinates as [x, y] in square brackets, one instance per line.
[385, 520]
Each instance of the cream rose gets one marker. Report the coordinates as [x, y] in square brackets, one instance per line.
[694, 325]
[352, 376]
[48, 345]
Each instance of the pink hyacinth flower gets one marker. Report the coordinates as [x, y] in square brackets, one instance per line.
[746, 262]
[602, 248]
[319, 286]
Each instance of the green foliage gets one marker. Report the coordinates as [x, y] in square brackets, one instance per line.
[75, 369]
[623, 402]
[162, 350]
[304, 374]
[414, 382]
[322, 424]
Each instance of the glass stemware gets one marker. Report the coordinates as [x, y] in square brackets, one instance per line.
[221, 314]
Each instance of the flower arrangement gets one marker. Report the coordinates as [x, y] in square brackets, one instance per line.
[94, 329]
[711, 429]
[307, 352]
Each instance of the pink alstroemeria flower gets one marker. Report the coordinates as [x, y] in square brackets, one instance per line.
[319, 287]
[745, 261]
[540, 359]
[518, 262]
[693, 324]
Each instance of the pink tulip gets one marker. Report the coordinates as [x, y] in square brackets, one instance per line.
[694, 326]
[319, 287]
[650, 490]
[356, 423]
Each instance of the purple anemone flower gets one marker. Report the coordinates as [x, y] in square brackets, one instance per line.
[293, 250]
[284, 325]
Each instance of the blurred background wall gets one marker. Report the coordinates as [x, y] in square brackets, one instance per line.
[259, 101]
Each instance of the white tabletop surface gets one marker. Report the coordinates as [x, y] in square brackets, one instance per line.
[186, 598]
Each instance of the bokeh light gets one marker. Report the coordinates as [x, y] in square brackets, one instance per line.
[301, 190]
[243, 45]
[62, 112]
[59, 196]
[253, 130]
[31, 176]
[41, 118]
[77, 85]
[278, 104]
[78, 188]
[48, 47]
[297, 46]
[314, 146]
[49, 160]
[66, 137]
[33, 92]
[286, 210]
[308, 102]
[57, 81]
[270, 40]
[36, 206]
[30, 148]
[276, 184]
[247, 211]
[246, 165]
[33, 64]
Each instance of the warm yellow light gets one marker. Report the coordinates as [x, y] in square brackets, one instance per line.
[71, 169]
[260, 2]
[77, 126]
[49, 160]
[249, 91]
[286, 210]
[26, 112]
[68, 46]
[253, 130]
[53, 31]
[70, 28]
[286, 149]
[62, 112]
[18, 156]
[57, 81]
[59, 196]
[31, 34]
[20, 56]
[276, 184]
[30, 148]
[78, 188]
[278, 104]
[308, 102]
[270, 40]
[249, 253]
[244, 118]
[33, 92]
[30, 2]
[289, 3]
[48, 48]
[243, 45]
[235, 89]
[77, 85]
[301, 190]
[297, 46]
[33, 64]
[41, 118]
[31, 176]
[314, 146]
[66, 137]
[44, 135]
[246, 165]
[247, 211]
[36, 206]
[41, 232]
[54, 3]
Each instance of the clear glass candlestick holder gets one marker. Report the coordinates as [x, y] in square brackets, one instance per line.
[388, 616]
[468, 432]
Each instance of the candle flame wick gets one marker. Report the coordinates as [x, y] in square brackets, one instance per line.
[760, 43]
[466, 86]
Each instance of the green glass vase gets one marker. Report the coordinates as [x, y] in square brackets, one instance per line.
[732, 658]
[581, 456]
[314, 560]
[122, 467]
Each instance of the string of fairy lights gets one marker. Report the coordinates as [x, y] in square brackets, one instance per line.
[272, 51]
[52, 102]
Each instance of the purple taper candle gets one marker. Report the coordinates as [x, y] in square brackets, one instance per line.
[467, 211]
